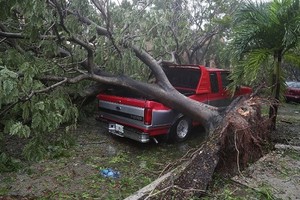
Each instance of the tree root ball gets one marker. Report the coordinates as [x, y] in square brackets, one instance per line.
[244, 136]
[239, 139]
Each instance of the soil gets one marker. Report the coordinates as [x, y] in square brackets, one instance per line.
[77, 176]
[274, 176]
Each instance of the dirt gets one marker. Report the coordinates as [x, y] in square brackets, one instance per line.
[277, 171]
[288, 126]
[77, 176]
[274, 176]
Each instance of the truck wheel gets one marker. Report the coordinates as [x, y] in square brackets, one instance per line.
[180, 131]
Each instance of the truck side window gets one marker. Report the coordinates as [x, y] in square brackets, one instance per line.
[225, 80]
[214, 82]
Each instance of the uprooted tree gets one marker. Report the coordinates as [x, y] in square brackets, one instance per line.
[51, 50]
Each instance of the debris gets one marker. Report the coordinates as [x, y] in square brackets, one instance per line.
[286, 121]
[110, 173]
[284, 147]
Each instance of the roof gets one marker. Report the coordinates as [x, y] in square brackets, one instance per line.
[194, 66]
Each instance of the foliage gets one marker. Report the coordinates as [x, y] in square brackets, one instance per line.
[9, 164]
[47, 46]
[263, 34]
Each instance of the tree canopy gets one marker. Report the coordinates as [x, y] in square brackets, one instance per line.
[48, 46]
[266, 35]
[51, 51]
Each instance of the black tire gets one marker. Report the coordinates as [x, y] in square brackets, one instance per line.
[180, 130]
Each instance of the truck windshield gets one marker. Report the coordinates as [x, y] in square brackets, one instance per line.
[183, 78]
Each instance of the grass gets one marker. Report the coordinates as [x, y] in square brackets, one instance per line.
[138, 165]
[137, 169]
[229, 190]
[4, 189]
[292, 154]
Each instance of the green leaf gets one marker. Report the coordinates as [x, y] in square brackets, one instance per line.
[40, 105]
[36, 120]
[35, 150]
[8, 86]
[26, 110]
[6, 73]
[20, 130]
[60, 104]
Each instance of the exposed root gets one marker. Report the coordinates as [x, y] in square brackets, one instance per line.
[239, 140]
[243, 138]
[237, 154]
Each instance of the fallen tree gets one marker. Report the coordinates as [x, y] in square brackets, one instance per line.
[43, 70]
[238, 140]
[49, 46]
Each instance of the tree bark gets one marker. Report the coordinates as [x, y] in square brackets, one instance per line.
[237, 141]
[206, 114]
[273, 110]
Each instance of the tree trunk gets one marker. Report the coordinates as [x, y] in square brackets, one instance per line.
[237, 141]
[208, 115]
[275, 89]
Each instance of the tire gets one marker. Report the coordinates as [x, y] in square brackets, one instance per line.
[180, 130]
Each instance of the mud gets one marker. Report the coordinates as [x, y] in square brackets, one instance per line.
[77, 176]
[277, 171]
[277, 174]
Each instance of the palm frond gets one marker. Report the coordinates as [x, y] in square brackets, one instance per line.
[292, 58]
[267, 25]
[248, 70]
[253, 62]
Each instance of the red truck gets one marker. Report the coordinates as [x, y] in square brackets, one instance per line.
[141, 119]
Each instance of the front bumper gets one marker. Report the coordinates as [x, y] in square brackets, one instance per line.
[123, 131]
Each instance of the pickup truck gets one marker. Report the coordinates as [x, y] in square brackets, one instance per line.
[141, 119]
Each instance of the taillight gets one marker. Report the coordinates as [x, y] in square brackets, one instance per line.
[147, 116]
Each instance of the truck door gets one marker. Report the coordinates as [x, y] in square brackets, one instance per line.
[218, 96]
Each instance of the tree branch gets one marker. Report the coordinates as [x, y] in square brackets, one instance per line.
[100, 7]
[45, 89]
[13, 42]
[158, 72]
[145, 57]
[61, 81]
[90, 50]
[61, 16]
[100, 30]
[21, 36]
[202, 41]
[109, 28]
[73, 80]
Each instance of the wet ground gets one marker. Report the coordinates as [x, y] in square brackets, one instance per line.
[77, 176]
[278, 173]
[274, 176]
